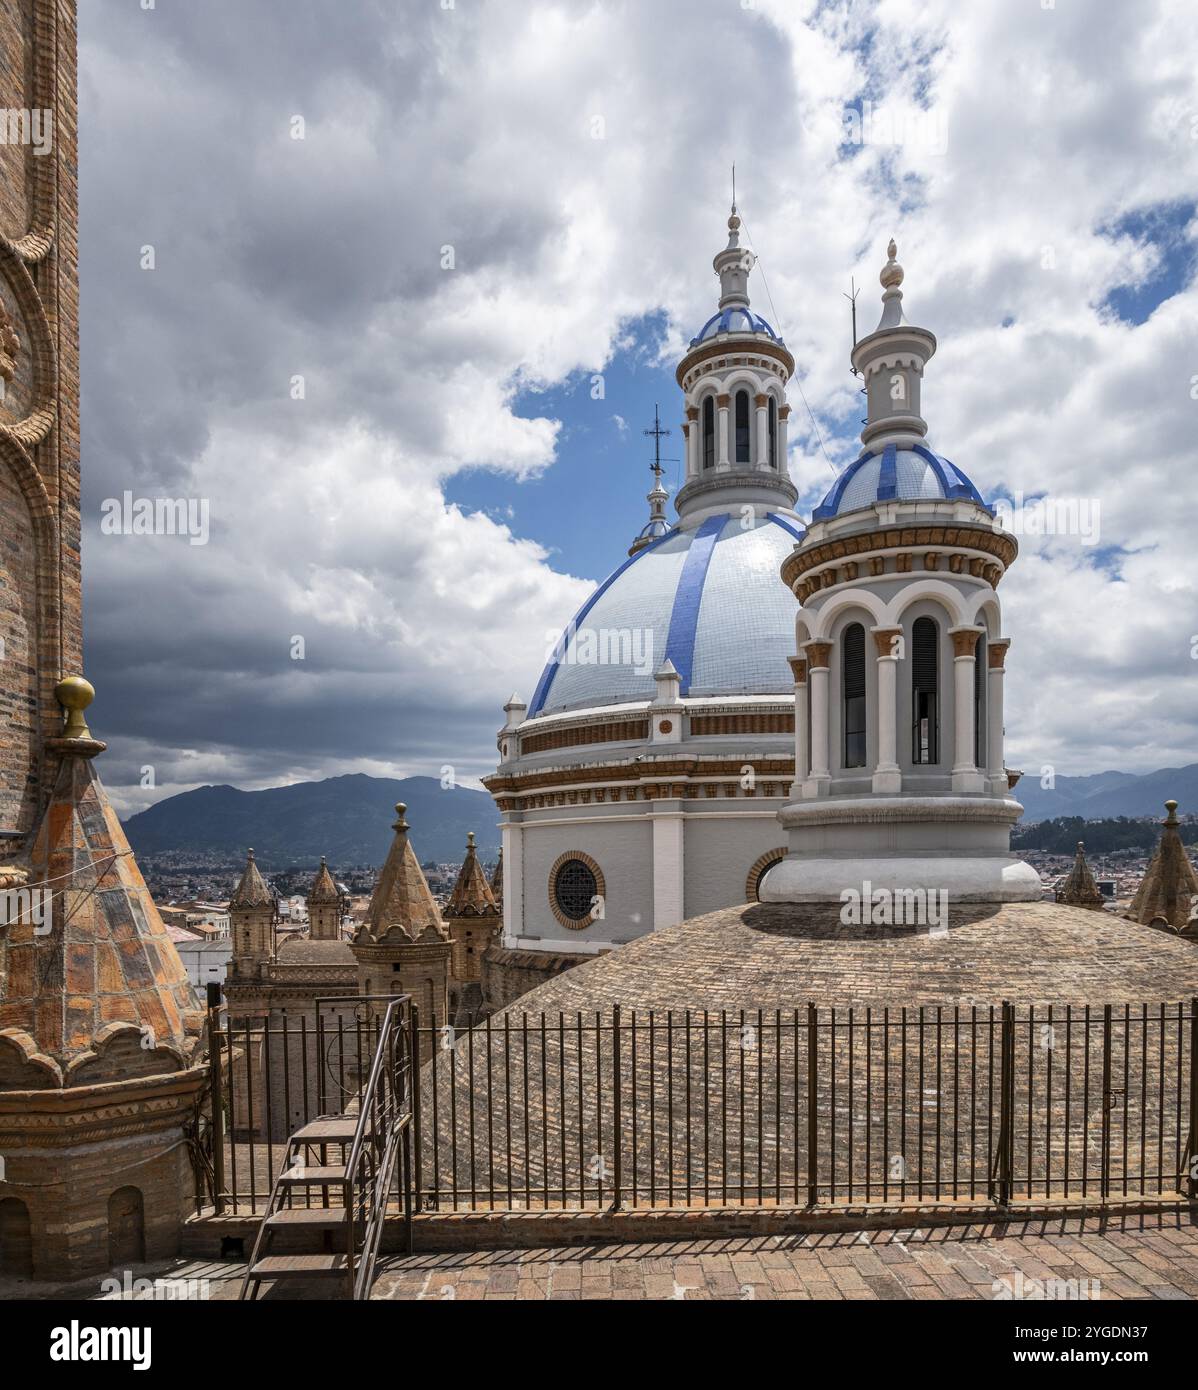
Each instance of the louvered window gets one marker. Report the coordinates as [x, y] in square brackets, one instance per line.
[742, 427]
[773, 433]
[925, 690]
[853, 676]
[979, 702]
[709, 433]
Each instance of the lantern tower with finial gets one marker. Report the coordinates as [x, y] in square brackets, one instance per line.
[900, 660]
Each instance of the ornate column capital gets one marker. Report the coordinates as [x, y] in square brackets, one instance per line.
[818, 654]
[692, 412]
[798, 667]
[885, 639]
[723, 401]
[996, 654]
[965, 640]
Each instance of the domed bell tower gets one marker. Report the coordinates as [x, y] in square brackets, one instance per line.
[733, 377]
[900, 782]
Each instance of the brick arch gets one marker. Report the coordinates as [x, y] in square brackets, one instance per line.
[758, 868]
[600, 887]
[37, 424]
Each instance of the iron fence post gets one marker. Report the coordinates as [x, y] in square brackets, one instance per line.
[1004, 1159]
[418, 1151]
[617, 1200]
[1192, 1144]
[812, 1114]
[1107, 1102]
[218, 1099]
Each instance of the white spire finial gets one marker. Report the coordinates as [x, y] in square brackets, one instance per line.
[891, 277]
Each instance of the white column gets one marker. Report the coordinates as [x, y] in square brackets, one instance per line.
[783, 416]
[966, 777]
[722, 442]
[996, 769]
[693, 464]
[513, 878]
[888, 777]
[763, 431]
[819, 777]
[802, 758]
[669, 895]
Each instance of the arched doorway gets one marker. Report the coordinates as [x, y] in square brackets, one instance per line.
[16, 1239]
[126, 1228]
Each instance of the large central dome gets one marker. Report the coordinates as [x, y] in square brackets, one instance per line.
[708, 599]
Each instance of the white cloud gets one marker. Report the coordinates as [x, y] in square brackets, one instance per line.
[475, 128]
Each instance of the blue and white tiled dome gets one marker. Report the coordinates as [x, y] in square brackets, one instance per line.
[734, 320]
[907, 475]
[709, 599]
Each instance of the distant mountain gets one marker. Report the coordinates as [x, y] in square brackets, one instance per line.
[349, 819]
[1110, 794]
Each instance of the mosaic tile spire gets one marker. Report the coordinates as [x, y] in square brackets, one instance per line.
[91, 986]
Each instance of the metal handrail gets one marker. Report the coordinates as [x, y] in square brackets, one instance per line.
[382, 1121]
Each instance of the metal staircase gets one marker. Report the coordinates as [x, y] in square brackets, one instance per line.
[328, 1210]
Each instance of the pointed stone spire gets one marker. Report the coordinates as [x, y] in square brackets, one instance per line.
[403, 947]
[1079, 889]
[402, 899]
[324, 906]
[252, 914]
[251, 891]
[323, 889]
[891, 362]
[471, 896]
[1168, 892]
[472, 915]
[497, 881]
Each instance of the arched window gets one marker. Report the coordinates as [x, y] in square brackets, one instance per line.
[709, 432]
[979, 702]
[743, 433]
[773, 433]
[852, 663]
[925, 688]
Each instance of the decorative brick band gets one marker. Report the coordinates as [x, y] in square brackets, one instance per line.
[709, 725]
[614, 731]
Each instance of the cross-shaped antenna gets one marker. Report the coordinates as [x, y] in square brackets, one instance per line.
[658, 434]
[734, 188]
[852, 298]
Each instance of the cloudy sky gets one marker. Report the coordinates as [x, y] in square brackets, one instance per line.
[392, 290]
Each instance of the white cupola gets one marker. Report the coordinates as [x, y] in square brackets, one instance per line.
[733, 378]
[900, 660]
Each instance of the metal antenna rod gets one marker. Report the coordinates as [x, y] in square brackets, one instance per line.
[852, 298]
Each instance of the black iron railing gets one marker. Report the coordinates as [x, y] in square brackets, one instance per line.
[784, 1107]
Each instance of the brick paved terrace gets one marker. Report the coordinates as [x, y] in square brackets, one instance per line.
[1120, 1257]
